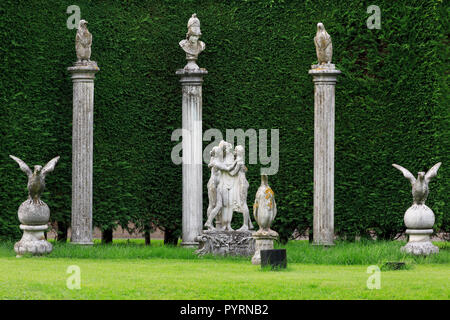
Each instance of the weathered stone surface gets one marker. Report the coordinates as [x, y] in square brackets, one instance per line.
[420, 248]
[264, 211]
[324, 47]
[33, 241]
[226, 243]
[83, 75]
[262, 242]
[191, 79]
[324, 77]
[34, 213]
[419, 218]
[83, 42]
[192, 45]
[265, 208]
[227, 187]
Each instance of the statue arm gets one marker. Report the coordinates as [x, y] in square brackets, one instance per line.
[236, 169]
[224, 167]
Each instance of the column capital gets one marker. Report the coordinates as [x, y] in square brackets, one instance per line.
[191, 76]
[324, 74]
[84, 72]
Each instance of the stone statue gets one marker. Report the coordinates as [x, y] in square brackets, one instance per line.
[419, 218]
[419, 185]
[265, 208]
[83, 42]
[324, 47]
[33, 212]
[192, 45]
[264, 211]
[227, 187]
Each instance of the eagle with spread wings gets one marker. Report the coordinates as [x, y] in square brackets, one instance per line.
[419, 185]
[36, 178]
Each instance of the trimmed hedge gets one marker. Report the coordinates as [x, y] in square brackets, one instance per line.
[391, 104]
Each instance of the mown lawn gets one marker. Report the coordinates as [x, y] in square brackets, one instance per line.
[133, 271]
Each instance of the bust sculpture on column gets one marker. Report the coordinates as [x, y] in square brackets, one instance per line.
[192, 45]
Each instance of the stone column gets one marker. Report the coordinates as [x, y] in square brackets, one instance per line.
[191, 78]
[191, 82]
[82, 151]
[324, 78]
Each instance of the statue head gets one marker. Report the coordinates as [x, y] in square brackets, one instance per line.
[214, 153]
[83, 24]
[240, 152]
[320, 26]
[193, 26]
[420, 175]
[37, 169]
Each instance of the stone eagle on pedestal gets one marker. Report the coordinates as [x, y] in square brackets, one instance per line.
[324, 47]
[83, 42]
[420, 185]
[36, 178]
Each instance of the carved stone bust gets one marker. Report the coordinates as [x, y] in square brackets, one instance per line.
[192, 45]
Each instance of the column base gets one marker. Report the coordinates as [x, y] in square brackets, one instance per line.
[84, 243]
[419, 242]
[186, 244]
[33, 241]
[263, 241]
[323, 243]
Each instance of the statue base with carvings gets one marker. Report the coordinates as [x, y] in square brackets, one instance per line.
[235, 243]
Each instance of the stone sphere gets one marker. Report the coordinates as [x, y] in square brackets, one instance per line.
[33, 214]
[419, 216]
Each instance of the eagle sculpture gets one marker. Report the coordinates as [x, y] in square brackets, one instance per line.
[83, 42]
[324, 48]
[419, 185]
[36, 179]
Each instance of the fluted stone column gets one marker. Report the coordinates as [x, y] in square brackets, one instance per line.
[82, 151]
[324, 79]
[191, 82]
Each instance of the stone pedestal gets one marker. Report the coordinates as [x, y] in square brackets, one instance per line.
[192, 221]
[233, 243]
[33, 241]
[419, 219]
[82, 151]
[324, 78]
[262, 242]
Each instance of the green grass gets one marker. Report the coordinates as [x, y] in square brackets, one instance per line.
[130, 270]
[343, 253]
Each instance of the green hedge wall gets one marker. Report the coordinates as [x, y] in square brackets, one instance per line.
[391, 104]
